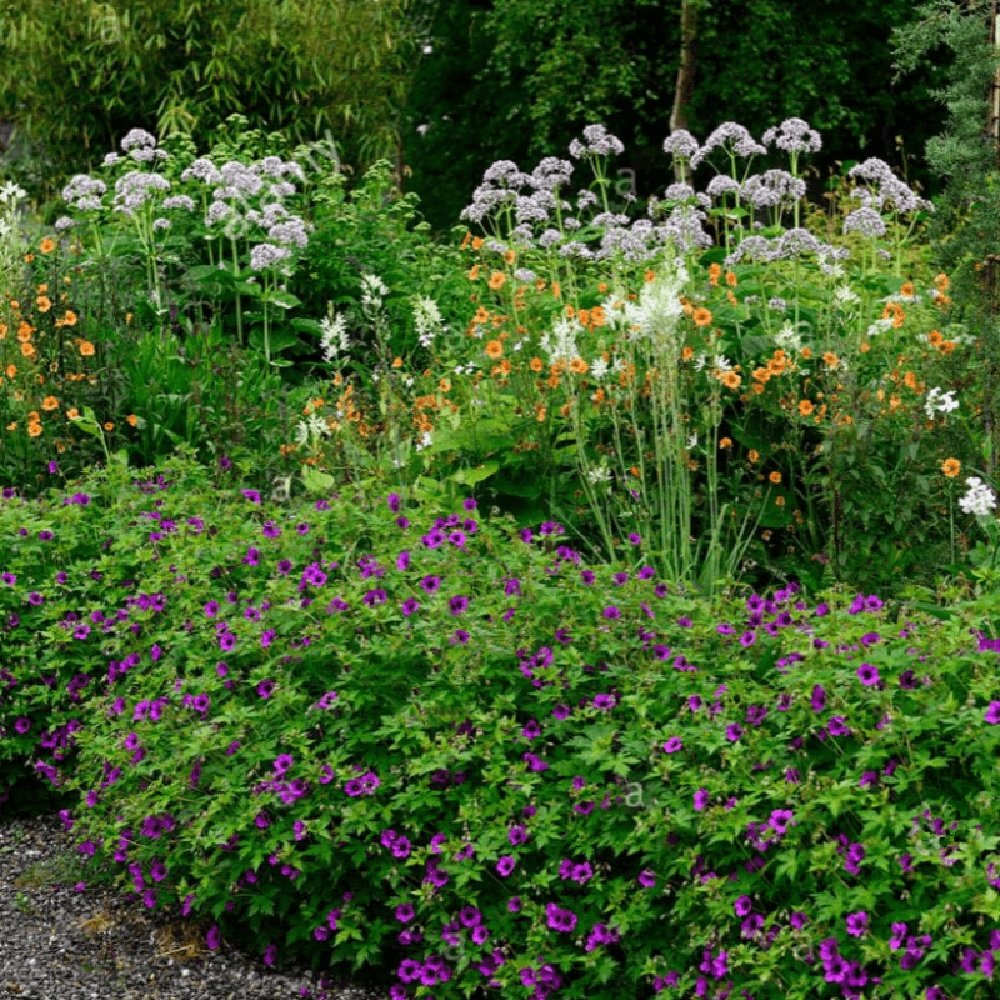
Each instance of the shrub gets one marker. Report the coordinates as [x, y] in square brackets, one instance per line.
[367, 730]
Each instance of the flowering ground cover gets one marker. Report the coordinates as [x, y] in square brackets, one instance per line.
[382, 732]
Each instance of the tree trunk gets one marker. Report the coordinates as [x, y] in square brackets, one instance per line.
[684, 85]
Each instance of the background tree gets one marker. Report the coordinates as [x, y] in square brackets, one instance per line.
[75, 76]
[518, 79]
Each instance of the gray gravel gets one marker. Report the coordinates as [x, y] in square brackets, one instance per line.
[59, 944]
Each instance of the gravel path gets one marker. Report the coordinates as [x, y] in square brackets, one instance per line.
[59, 944]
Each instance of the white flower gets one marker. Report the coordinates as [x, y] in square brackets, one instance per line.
[879, 326]
[939, 402]
[601, 475]
[333, 335]
[373, 290]
[788, 338]
[692, 441]
[426, 320]
[844, 296]
[424, 442]
[313, 429]
[722, 363]
[559, 343]
[979, 499]
[659, 308]
[598, 368]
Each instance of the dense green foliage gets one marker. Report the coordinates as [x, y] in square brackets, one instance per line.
[383, 731]
[519, 79]
[74, 77]
[581, 604]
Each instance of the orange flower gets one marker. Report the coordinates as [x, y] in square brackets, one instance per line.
[28, 350]
[731, 380]
[539, 412]
[47, 245]
[68, 319]
[132, 420]
[86, 349]
[474, 272]
[578, 366]
[730, 279]
[714, 273]
[907, 289]
[556, 289]
[72, 413]
[109, 425]
[701, 317]
[648, 275]
[494, 349]
[934, 338]
[779, 501]
[50, 403]
[44, 303]
[444, 385]
[477, 242]
[11, 371]
[951, 467]
[805, 407]
[34, 429]
[775, 477]
[509, 256]
[725, 442]
[535, 364]
[496, 282]
[942, 282]
[687, 353]
[830, 359]
[753, 455]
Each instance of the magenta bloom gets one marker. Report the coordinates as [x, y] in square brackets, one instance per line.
[733, 732]
[742, 906]
[560, 920]
[992, 715]
[857, 923]
[673, 745]
[646, 878]
[505, 865]
[868, 675]
[701, 798]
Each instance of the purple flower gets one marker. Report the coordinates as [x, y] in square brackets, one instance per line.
[742, 906]
[673, 745]
[646, 878]
[559, 919]
[604, 702]
[458, 604]
[701, 798]
[505, 865]
[734, 732]
[213, 938]
[611, 612]
[405, 913]
[857, 923]
[252, 495]
[838, 727]
[868, 675]
[992, 715]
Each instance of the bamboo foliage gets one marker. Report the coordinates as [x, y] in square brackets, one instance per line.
[75, 75]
